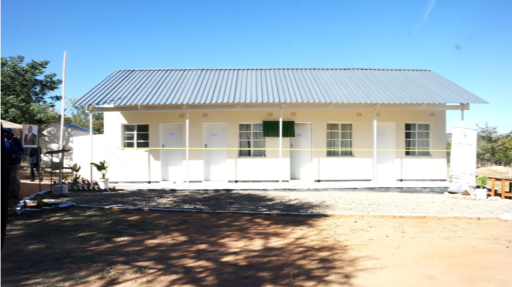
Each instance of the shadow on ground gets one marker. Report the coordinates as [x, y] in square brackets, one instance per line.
[211, 200]
[97, 247]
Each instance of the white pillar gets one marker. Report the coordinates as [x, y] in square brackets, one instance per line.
[281, 144]
[91, 143]
[375, 144]
[187, 146]
[63, 106]
[462, 115]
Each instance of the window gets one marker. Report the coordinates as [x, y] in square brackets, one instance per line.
[417, 139]
[339, 139]
[136, 136]
[251, 139]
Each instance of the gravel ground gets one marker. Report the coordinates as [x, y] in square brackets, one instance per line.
[335, 202]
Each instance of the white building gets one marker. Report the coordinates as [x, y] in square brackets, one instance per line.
[176, 125]
[49, 140]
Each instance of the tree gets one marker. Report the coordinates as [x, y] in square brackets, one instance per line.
[504, 150]
[80, 117]
[486, 144]
[493, 148]
[27, 91]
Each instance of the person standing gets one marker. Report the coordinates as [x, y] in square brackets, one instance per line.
[14, 152]
[34, 154]
[5, 186]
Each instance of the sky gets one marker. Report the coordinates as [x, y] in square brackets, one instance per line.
[469, 42]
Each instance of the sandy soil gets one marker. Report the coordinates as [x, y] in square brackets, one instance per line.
[191, 249]
[30, 187]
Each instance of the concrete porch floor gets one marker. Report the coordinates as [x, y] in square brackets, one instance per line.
[405, 186]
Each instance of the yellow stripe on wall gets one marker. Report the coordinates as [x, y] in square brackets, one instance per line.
[266, 149]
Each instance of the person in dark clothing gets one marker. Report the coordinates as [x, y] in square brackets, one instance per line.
[5, 187]
[15, 150]
[34, 154]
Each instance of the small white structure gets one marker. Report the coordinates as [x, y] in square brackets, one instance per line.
[49, 140]
[17, 129]
[178, 125]
[11, 125]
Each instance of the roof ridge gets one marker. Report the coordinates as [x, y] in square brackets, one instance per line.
[282, 68]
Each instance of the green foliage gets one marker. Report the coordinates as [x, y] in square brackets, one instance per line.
[76, 178]
[493, 148]
[481, 181]
[40, 202]
[102, 167]
[75, 168]
[27, 91]
[80, 117]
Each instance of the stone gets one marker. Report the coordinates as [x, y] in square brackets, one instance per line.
[506, 216]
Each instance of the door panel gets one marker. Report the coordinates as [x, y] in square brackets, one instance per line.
[215, 136]
[386, 169]
[171, 136]
[301, 167]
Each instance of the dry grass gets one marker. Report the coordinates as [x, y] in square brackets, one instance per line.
[495, 171]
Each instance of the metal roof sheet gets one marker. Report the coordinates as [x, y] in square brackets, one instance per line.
[76, 127]
[276, 85]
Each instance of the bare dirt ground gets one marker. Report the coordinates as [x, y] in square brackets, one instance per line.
[30, 187]
[92, 247]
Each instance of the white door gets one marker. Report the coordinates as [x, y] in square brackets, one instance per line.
[301, 167]
[171, 136]
[215, 154]
[386, 169]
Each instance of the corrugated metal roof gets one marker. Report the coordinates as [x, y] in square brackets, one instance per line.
[72, 126]
[76, 127]
[276, 85]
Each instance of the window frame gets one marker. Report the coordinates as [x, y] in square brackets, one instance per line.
[416, 150]
[136, 134]
[339, 140]
[251, 141]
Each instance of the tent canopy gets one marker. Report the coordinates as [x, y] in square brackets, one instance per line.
[8, 124]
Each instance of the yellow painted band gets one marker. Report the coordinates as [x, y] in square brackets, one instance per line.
[271, 149]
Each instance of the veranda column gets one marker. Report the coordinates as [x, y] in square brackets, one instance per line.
[375, 143]
[186, 145]
[462, 115]
[90, 150]
[281, 144]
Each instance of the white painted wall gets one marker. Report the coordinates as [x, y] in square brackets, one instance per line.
[144, 165]
[49, 140]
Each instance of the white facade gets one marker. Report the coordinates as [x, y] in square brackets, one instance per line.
[49, 140]
[214, 146]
